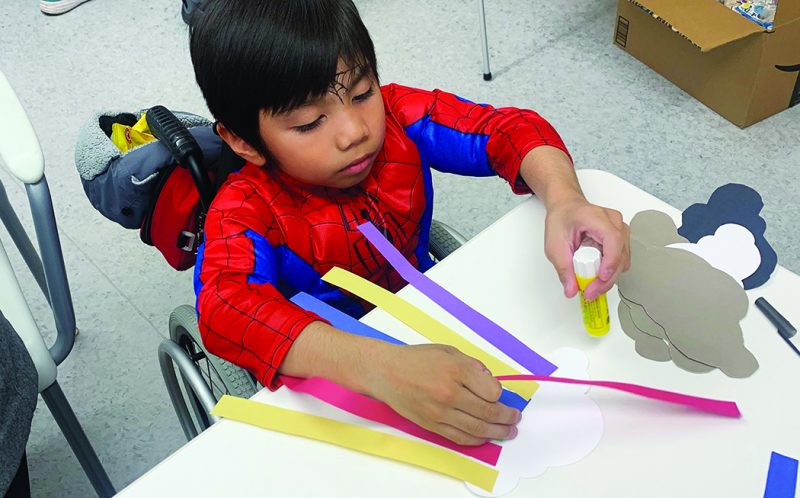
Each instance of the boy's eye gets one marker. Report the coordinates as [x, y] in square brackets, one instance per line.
[364, 96]
[309, 126]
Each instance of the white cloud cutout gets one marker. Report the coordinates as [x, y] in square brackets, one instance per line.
[732, 249]
[560, 426]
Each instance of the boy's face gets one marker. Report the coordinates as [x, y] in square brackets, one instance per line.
[331, 141]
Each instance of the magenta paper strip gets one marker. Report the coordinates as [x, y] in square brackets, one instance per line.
[725, 408]
[377, 411]
[484, 327]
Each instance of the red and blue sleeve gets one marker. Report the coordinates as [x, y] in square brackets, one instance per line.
[457, 136]
[243, 317]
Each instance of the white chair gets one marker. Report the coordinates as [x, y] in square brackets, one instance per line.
[22, 155]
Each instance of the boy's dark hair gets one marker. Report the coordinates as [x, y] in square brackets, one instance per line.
[273, 55]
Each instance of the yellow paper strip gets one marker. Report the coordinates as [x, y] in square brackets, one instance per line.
[357, 438]
[426, 325]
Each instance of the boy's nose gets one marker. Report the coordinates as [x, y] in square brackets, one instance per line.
[352, 130]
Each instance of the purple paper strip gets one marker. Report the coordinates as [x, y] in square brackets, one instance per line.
[490, 331]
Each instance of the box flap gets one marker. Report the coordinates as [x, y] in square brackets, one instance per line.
[788, 11]
[706, 23]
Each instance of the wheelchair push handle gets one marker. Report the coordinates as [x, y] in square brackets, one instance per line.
[184, 148]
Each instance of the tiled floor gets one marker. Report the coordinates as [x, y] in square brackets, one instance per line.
[614, 113]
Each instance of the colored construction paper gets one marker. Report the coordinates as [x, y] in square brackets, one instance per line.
[740, 205]
[347, 323]
[642, 320]
[562, 427]
[339, 319]
[356, 438]
[478, 323]
[423, 323]
[724, 408]
[377, 411]
[646, 345]
[731, 249]
[781, 477]
[698, 307]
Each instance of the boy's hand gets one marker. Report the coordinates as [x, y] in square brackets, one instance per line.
[566, 225]
[444, 391]
[549, 173]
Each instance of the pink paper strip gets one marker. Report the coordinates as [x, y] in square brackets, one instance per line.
[377, 411]
[725, 408]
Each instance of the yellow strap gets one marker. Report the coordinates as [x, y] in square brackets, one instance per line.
[129, 137]
[425, 324]
[357, 438]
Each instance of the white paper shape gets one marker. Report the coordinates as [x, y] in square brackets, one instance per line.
[560, 426]
[732, 249]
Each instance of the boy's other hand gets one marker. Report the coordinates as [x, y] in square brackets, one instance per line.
[444, 391]
[567, 223]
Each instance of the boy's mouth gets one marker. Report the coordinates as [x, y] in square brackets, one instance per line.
[358, 166]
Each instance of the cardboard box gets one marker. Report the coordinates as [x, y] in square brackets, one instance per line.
[726, 61]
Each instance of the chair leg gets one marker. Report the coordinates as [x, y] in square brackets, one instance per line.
[487, 73]
[69, 425]
[20, 237]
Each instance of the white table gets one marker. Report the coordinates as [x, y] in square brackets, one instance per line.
[646, 449]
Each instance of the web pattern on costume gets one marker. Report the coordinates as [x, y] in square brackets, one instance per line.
[267, 237]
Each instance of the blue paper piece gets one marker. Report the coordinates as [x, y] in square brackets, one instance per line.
[339, 319]
[781, 477]
[345, 322]
[733, 203]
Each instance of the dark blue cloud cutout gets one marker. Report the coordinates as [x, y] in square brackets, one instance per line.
[732, 203]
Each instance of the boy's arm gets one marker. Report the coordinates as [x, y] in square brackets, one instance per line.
[457, 136]
[242, 316]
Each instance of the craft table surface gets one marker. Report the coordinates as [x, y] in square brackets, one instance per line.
[647, 448]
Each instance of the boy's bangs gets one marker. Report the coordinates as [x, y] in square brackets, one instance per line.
[315, 78]
[304, 60]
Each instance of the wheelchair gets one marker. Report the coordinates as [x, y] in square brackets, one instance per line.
[202, 378]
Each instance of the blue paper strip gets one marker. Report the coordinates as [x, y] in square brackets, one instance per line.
[347, 323]
[781, 477]
[339, 319]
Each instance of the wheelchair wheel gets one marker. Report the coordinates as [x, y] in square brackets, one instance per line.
[221, 376]
[443, 240]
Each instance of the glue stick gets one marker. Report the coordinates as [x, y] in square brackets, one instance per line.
[586, 261]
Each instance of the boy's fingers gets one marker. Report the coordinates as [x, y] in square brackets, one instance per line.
[481, 383]
[457, 435]
[597, 287]
[478, 428]
[561, 259]
[613, 255]
[491, 412]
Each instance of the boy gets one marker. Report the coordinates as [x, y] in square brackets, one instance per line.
[293, 85]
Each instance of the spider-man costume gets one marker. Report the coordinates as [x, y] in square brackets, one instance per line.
[268, 236]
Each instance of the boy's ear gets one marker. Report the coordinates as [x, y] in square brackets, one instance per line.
[239, 146]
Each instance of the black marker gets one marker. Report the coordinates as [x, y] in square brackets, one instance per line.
[785, 329]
